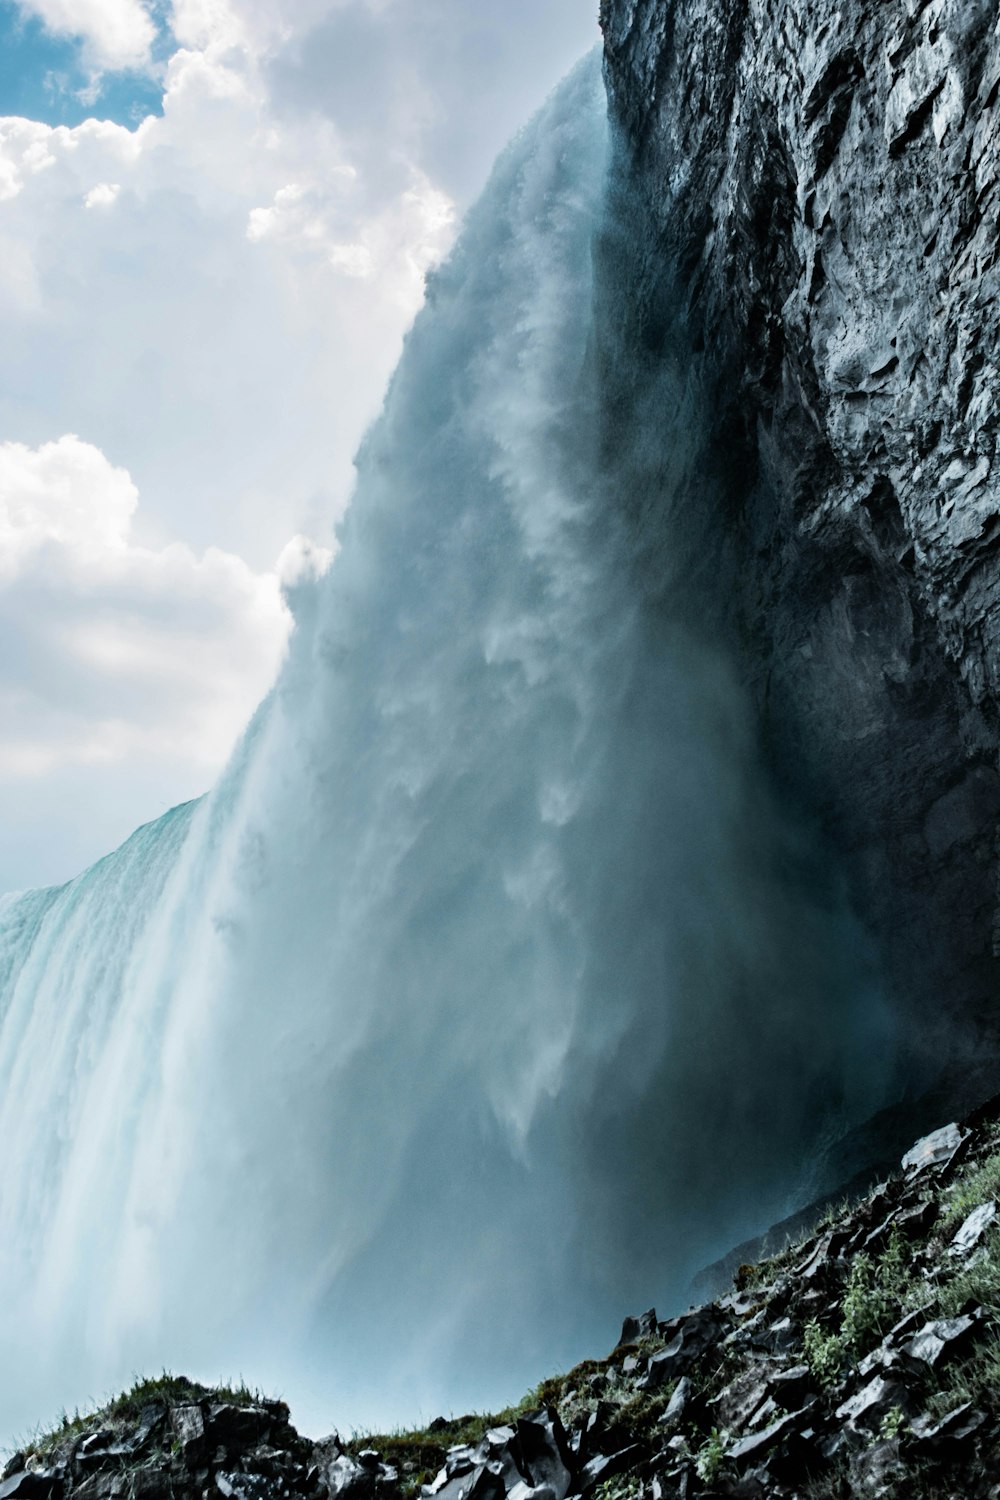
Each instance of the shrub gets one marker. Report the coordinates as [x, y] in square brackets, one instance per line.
[825, 1353]
[709, 1458]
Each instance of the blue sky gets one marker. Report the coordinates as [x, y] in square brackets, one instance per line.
[206, 273]
[44, 77]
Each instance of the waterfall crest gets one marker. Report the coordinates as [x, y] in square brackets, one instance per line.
[483, 997]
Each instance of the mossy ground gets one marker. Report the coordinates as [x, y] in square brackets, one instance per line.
[124, 1410]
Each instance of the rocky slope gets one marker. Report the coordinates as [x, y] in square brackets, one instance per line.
[817, 195]
[864, 1360]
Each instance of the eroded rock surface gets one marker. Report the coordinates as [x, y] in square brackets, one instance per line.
[817, 200]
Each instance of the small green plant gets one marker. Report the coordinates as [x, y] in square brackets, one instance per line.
[862, 1304]
[875, 1295]
[825, 1353]
[893, 1425]
[619, 1489]
[895, 1269]
[709, 1457]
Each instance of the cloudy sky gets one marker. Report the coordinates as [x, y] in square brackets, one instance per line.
[215, 219]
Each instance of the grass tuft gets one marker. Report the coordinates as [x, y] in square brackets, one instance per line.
[125, 1409]
[975, 1187]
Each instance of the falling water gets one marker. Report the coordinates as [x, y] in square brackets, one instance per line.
[483, 997]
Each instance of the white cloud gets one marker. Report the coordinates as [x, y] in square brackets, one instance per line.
[116, 34]
[205, 24]
[302, 562]
[215, 300]
[205, 331]
[103, 195]
[114, 650]
[396, 246]
[65, 493]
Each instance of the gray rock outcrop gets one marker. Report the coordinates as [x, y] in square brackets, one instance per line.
[814, 240]
[861, 1360]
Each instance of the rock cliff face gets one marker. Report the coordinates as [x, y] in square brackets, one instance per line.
[818, 188]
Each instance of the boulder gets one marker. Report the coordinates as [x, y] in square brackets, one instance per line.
[501, 1449]
[237, 1426]
[867, 1407]
[606, 1466]
[152, 1420]
[153, 1483]
[791, 1388]
[740, 1400]
[687, 1339]
[642, 1327]
[102, 1486]
[930, 1433]
[755, 1447]
[188, 1423]
[936, 1342]
[973, 1229]
[935, 1152]
[678, 1401]
[29, 1484]
[908, 1222]
[237, 1486]
[544, 1451]
[591, 1433]
[878, 1470]
[483, 1483]
[460, 1460]
[345, 1477]
[780, 1337]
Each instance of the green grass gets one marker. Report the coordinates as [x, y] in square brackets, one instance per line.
[978, 1282]
[125, 1409]
[419, 1454]
[877, 1291]
[976, 1186]
[975, 1378]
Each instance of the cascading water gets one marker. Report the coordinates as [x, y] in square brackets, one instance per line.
[477, 1003]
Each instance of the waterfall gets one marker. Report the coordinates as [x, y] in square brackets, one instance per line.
[485, 995]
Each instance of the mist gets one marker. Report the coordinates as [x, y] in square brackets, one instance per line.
[494, 988]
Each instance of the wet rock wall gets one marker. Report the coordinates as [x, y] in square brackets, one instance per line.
[815, 232]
